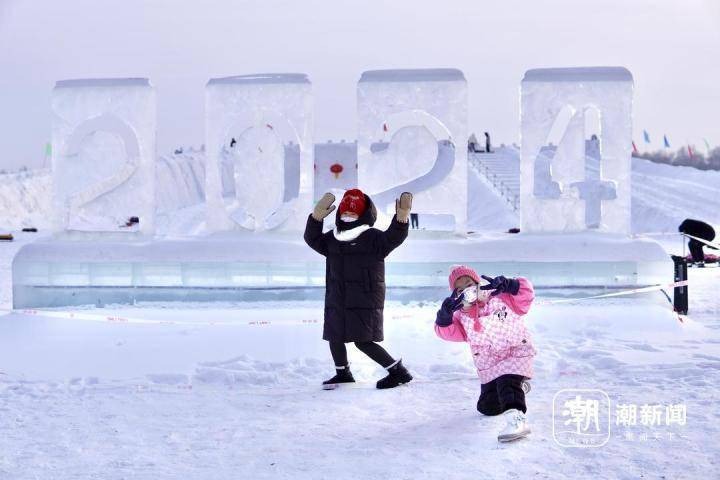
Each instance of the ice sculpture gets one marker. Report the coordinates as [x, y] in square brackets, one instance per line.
[103, 164]
[558, 193]
[259, 152]
[335, 168]
[412, 136]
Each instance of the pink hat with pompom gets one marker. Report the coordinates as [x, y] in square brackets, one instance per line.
[457, 271]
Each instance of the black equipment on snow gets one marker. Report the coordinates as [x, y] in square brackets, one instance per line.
[680, 294]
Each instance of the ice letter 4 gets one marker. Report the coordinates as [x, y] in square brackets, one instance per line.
[584, 182]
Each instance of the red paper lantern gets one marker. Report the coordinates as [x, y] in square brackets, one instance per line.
[336, 169]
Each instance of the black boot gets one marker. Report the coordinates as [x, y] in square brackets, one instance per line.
[342, 375]
[397, 375]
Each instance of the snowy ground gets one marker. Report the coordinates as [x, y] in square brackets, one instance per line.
[136, 401]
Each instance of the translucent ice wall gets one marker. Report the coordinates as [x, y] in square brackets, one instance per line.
[103, 136]
[412, 136]
[259, 166]
[556, 193]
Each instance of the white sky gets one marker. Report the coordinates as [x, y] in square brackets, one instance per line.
[671, 47]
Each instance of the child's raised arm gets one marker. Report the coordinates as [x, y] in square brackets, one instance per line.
[446, 327]
[521, 301]
[313, 229]
[397, 232]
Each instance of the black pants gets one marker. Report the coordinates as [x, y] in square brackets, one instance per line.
[377, 353]
[414, 220]
[503, 393]
[696, 250]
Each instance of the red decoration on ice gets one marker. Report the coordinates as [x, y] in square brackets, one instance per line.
[336, 169]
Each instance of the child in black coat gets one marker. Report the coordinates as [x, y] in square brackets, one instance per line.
[355, 279]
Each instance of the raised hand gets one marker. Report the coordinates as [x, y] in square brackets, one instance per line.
[324, 207]
[403, 205]
[449, 306]
[501, 284]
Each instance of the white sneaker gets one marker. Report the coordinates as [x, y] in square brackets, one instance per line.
[526, 386]
[517, 426]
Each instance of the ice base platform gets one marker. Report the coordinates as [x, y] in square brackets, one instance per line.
[55, 272]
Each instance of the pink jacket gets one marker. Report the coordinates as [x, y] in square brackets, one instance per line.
[499, 341]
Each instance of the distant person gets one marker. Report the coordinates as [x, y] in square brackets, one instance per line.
[488, 146]
[232, 142]
[698, 229]
[414, 223]
[473, 144]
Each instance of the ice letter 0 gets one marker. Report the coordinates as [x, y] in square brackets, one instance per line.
[259, 148]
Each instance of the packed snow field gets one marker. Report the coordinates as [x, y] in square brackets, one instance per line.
[181, 400]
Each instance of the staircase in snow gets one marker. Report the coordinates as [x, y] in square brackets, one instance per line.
[501, 170]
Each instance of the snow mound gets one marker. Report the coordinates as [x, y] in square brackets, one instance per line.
[25, 199]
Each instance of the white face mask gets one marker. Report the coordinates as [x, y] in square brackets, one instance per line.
[347, 218]
[472, 294]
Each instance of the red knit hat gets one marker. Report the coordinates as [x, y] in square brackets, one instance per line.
[457, 271]
[353, 201]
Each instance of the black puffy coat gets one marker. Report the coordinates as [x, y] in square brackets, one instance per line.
[355, 276]
[697, 228]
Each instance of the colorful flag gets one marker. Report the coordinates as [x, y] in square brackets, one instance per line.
[690, 152]
[635, 150]
[707, 144]
[646, 136]
[667, 144]
[48, 149]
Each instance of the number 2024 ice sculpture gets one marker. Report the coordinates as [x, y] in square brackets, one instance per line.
[412, 130]
[412, 134]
